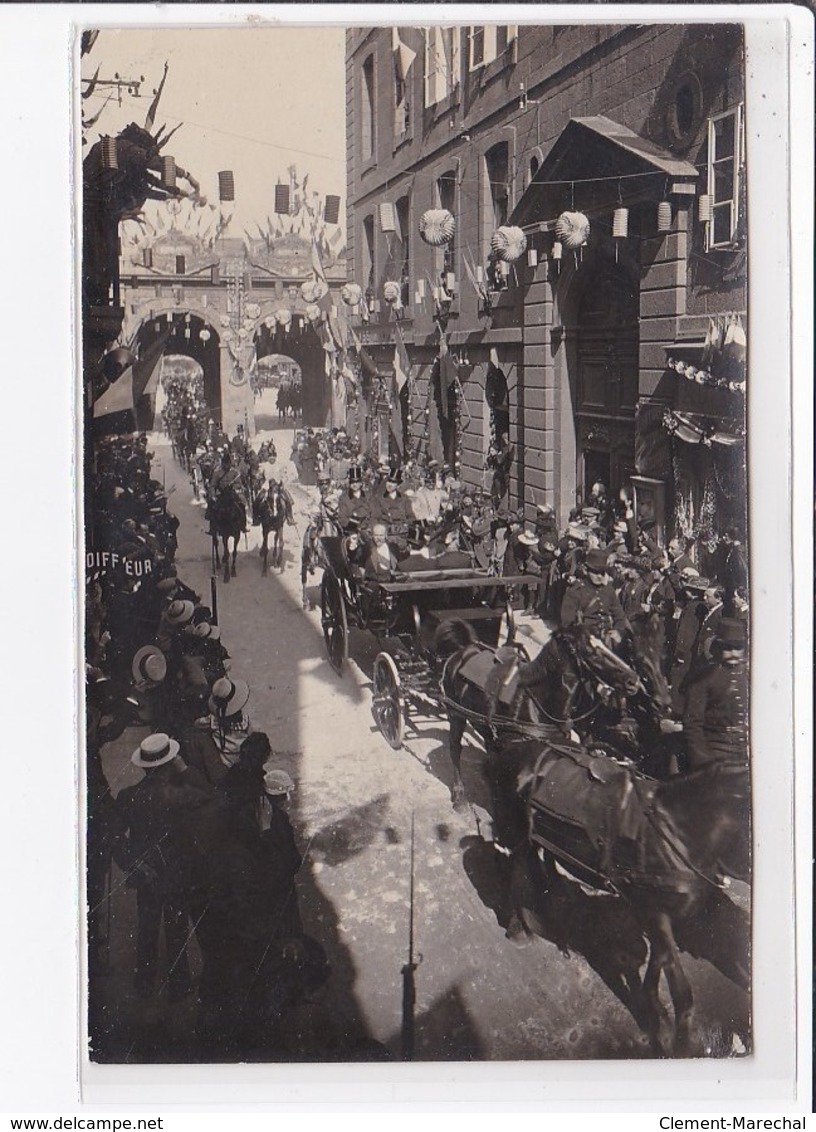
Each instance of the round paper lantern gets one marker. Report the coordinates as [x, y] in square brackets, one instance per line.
[391, 293]
[283, 317]
[313, 290]
[508, 243]
[313, 312]
[204, 335]
[437, 227]
[351, 294]
[620, 223]
[664, 216]
[572, 229]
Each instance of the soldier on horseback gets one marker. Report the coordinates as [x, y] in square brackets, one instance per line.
[225, 478]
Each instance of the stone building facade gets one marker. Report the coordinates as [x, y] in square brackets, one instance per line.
[624, 358]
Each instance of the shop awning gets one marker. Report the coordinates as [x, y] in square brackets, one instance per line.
[587, 155]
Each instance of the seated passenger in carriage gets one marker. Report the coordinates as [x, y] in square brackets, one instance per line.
[382, 561]
[354, 505]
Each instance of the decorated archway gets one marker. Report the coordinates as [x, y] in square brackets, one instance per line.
[189, 335]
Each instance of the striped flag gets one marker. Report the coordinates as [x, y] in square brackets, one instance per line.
[317, 265]
[402, 364]
[117, 398]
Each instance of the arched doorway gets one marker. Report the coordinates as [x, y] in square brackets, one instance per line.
[275, 374]
[299, 342]
[605, 378]
[189, 336]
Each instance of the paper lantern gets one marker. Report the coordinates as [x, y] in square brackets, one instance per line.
[226, 185]
[705, 208]
[532, 258]
[283, 317]
[351, 294]
[388, 218]
[557, 251]
[620, 223]
[281, 198]
[664, 216]
[313, 312]
[391, 293]
[313, 290]
[437, 227]
[508, 243]
[147, 257]
[168, 172]
[572, 229]
[331, 209]
[110, 156]
[204, 335]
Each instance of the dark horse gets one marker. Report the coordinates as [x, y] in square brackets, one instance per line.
[227, 521]
[664, 847]
[274, 508]
[575, 684]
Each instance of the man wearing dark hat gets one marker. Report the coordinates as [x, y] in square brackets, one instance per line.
[715, 720]
[354, 505]
[390, 506]
[592, 601]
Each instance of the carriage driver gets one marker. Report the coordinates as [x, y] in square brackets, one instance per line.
[226, 476]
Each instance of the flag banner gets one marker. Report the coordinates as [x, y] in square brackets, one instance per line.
[404, 56]
[154, 105]
[447, 378]
[397, 418]
[117, 398]
[317, 264]
[402, 364]
[145, 368]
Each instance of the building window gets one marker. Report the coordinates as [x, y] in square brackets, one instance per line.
[367, 109]
[446, 195]
[725, 159]
[497, 172]
[489, 42]
[181, 265]
[441, 63]
[368, 272]
[404, 227]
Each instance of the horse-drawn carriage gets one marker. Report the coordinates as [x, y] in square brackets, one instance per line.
[561, 791]
[405, 614]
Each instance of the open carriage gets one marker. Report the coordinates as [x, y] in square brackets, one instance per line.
[404, 614]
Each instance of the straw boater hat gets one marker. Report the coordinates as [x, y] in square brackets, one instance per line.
[208, 631]
[578, 531]
[180, 612]
[155, 750]
[278, 782]
[228, 697]
[167, 586]
[149, 665]
[528, 537]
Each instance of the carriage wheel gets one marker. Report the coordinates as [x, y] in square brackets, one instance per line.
[389, 702]
[335, 625]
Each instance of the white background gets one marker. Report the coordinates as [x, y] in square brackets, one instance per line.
[39, 984]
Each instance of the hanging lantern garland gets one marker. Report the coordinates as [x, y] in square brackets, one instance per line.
[703, 377]
[392, 293]
[437, 227]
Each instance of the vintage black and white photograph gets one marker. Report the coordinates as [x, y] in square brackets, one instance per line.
[417, 603]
